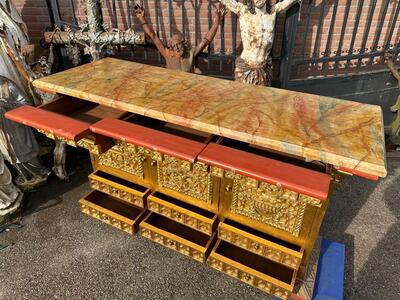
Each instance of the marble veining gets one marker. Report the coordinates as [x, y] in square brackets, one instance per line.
[338, 132]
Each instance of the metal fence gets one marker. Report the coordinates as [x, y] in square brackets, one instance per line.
[358, 34]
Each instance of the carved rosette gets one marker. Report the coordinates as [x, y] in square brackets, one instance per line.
[116, 192]
[259, 248]
[186, 178]
[248, 278]
[94, 213]
[269, 204]
[172, 244]
[179, 217]
[124, 157]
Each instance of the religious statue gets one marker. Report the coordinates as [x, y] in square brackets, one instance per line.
[179, 54]
[17, 142]
[257, 28]
[10, 195]
[395, 128]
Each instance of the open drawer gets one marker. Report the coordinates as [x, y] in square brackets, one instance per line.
[65, 118]
[120, 188]
[267, 275]
[176, 236]
[182, 212]
[112, 211]
[260, 243]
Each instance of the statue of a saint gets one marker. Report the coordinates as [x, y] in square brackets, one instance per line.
[17, 142]
[179, 54]
[257, 29]
[10, 195]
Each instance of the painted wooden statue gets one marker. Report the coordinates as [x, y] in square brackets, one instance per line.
[257, 28]
[179, 54]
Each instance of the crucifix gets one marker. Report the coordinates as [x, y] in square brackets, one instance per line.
[92, 36]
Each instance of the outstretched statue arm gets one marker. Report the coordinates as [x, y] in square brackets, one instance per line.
[139, 11]
[233, 5]
[219, 14]
[283, 5]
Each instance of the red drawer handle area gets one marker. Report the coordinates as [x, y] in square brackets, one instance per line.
[298, 179]
[149, 138]
[54, 123]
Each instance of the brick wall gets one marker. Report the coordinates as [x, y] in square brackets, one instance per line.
[315, 34]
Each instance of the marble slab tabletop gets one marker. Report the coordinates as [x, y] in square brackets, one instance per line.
[343, 133]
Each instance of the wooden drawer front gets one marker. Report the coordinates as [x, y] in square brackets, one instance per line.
[192, 179]
[119, 188]
[174, 236]
[261, 245]
[264, 282]
[124, 157]
[181, 212]
[263, 202]
[111, 211]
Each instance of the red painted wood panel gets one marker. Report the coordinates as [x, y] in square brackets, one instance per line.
[298, 179]
[57, 124]
[149, 138]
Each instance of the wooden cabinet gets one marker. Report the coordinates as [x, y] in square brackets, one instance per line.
[235, 175]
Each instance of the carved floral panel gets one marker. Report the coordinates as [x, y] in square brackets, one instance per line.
[269, 204]
[184, 177]
[123, 157]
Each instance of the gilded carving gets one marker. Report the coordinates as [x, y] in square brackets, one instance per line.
[89, 145]
[179, 217]
[258, 248]
[270, 204]
[106, 218]
[310, 200]
[248, 278]
[172, 244]
[217, 172]
[186, 178]
[52, 136]
[123, 157]
[116, 192]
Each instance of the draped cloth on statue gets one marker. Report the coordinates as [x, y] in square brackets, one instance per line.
[10, 195]
[13, 37]
[256, 75]
[17, 142]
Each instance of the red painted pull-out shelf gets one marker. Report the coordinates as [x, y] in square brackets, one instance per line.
[295, 178]
[54, 123]
[149, 138]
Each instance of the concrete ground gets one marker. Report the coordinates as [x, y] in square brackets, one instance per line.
[61, 253]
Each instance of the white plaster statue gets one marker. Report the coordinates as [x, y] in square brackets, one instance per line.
[257, 28]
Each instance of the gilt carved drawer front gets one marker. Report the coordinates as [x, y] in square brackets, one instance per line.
[181, 212]
[124, 157]
[268, 276]
[263, 189]
[177, 237]
[117, 187]
[185, 177]
[269, 204]
[112, 211]
[260, 243]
